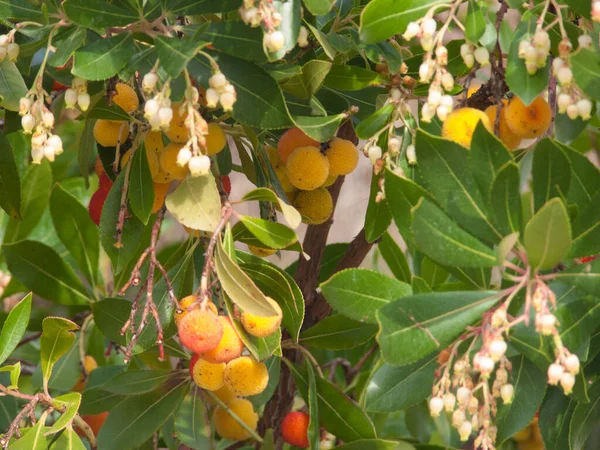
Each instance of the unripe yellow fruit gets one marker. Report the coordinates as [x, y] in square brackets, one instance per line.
[152, 165]
[506, 135]
[177, 131]
[228, 427]
[168, 161]
[154, 146]
[343, 157]
[185, 303]
[262, 326]
[330, 180]
[153, 142]
[209, 375]
[215, 139]
[89, 364]
[529, 121]
[230, 346]
[279, 169]
[262, 252]
[316, 206]
[108, 133]
[460, 125]
[307, 168]
[160, 192]
[126, 98]
[244, 376]
[223, 394]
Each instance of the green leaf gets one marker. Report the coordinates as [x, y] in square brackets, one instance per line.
[292, 216]
[20, 10]
[56, 340]
[191, 423]
[12, 85]
[586, 417]
[352, 78]
[32, 440]
[378, 218]
[586, 65]
[550, 175]
[98, 14]
[359, 293]
[505, 246]
[14, 327]
[102, 110]
[314, 427]
[566, 130]
[394, 258]
[584, 276]
[442, 240]
[68, 440]
[586, 230]
[339, 414]
[487, 156]
[236, 39]
[547, 236]
[395, 388]
[578, 318]
[320, 128]
[272, 234]
[103, 58]
[475, 23]
[505, 200]
[68, 405]
[305, 84]
[87, 145]
[44, 272]
[319, 7]
[375, 122]
[434, 274]
[74, 39]
[110, 314]
[76, 231]
[382, 19]
[291, 17]
[196, 203]
[15, 373]
[585, 179]
[175, 53]
[133, 421]
[194, 7]
[35, 191]
[141, 192]
[323, 40]
[135, 382]
[415, 326]
[555, 417]
[338, 332]
[10, 186]
[376, 444]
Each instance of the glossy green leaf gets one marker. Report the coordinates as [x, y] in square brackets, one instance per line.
[395, 388]
[103, 58]
[394, 258]
[110, 314]
[434, 274]
[414, 326]
[141, 192]
[305, 84]
[15, 372]
[68, 405]
[555, 417]
[191, 423]
[10, 186]
[56, 340]
[586, 71]
[272, 234]
[323, 40]
[87, 145]
[578, 318]
[187, 7]
[95, 400]
[585, 179]
[320, 128]
[586, 417]
[551, 177]
[68, 440]
[505, 246]
[102, 110]
[319, 7]
[585, 276]
[475, 23]
[314, 427]
[67, 46]
[375, 122]
[338, 332]
[378, 218]
[33, 439]
[547, 236]
[487, 156]
[20, 10]
[175, 53]
[135, 382]
[505, 200]
[12, 85]
[14, 327]
[237, 39]
[292, 216]
[352, 78]
[359, 293]
[586, 230]
[98, 14]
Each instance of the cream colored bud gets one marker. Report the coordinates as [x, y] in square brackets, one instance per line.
[48, 119]
[449, 402]
[557, 64]
[572, 364]
[55, 142]
[70, 98]
[217, 81]
[412, 30]
[3, 53]
[501, 375]
[199, 165]
[37, 154]
[555, 371]
[426, 42]
[3, 40]
[499, 318]
[411, 155]
[24, 105]
[79, 84]
[567, 381]
[441, 55]
[563, 101]
[463, 394]
[443, 112]
[584, 108]
[13, 51]
[482, 56]
[564, 76]
[49, 153]
[395, 94]
[274, 41]
[497, 349]
[465, 431]
[466, 49]
[212, 98]
[434, 97]
[585, 41]
[165, 115]
[151, 108]
[436, 404]
[394, 145]
[429, 26]
[83, 100]
[302, 39]
[374, 153]
[227, 100]
[183, 156]
[469, 61]
[38, 139]
[149, 82]
[458, 417]
[541, 40]
[447, 81]
[572, 111]
[507, 393]
[27, 122]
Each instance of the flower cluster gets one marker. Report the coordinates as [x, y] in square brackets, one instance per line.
[470, 53]
[8, 48]
[259, 12]
[157, 109]
[77, 94]
[535, 51]
[220, 91]
[569, 98]
[38, 120]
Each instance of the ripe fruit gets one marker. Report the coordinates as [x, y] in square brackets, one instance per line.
[98, 167]
[529, 121]
[193, 360]
[95, 422]
[279, 169]
[185, 303]
[307, 168]
[126, 98]
[160, 192]
[108, 133]
[294, 429]
[177, 131]
[230, 346]
[228, 427]
[208, 375]
[200, 330]
[506, 135]
[96, 204]
[89, 364]
[343, 157]
[168, 161]
[316, 206]
[223, 394]
[154, 147]
[460, 125]
[262, 252]
[104, 183]
[244, 376]
[291, 140]
[226, 182]
[262, 326]
[215, 139]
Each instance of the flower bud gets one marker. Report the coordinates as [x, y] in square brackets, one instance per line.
[24, 105]
[426, 42]
[276, 19]
[459, 367]
[557, 64]
[463, 394]
[585, 41]
[394, 145]
[572, 111]
[217, 81]
[38, 139]
[212, 98]
[55, 142]
[564, 76]
[547, 322]
[425, 72]
[507, 392]
[3, 40]
[429, 26]
[458, 417]
[149, 82]
[555, 371]
[485, 365]
[482, 56]
[27, 122]
[412, 30]
[37, 154]
[584, 107]
[3, 53]
[151, 108]
[70, 98]
[473, 405]
[49, 153]
[374, 153]
[497, 349]
[572, 364]
[563, 101]
[48, 119]
[499, 318]
[443, 112]
[395, 94]
[302, 37]
[154, 121]
[434, 97]
[199, 165]
[475, 421]
[524, 47]
[465, 50]
[274, 41]
[469, 61]
[567, 381]
[427, 113]
[13, 51]
[501, 375]
[541, 40]
[184, 156]
[447, 81]
[436, 404]
[165, 115]
[79, 84]
[411, 155]
[83, 100]
[465, 431]
[449, 402]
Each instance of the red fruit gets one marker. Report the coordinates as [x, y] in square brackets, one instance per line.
[105, 183]
[98, 167]
[95, 422]
[193, 362]
[294, 429]
[96, 204]
[200, 330]
[226, 184]
[56, 86]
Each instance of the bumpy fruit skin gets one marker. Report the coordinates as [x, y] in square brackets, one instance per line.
[261, 252]
[262, 326]
[228, 427]
[200, 330]
[223, 394]
[506, 135]
[291, 140]
[185, 303]
[95, 422]
[343, 157]
[209, 375]
[108, 133]
[230, 346]
[126, 98]
[96, 205]
[178, 132]
[193, 360]
[168, 161]
[316, 206]
[294, 429]
[89, 364]
[529, 121]
[279, 169]
[160, 192]
[244, 376]
[226, 182]
[460, 125]
[307, 168]
[215, 139]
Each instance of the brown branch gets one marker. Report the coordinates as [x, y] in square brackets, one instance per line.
[28, 339]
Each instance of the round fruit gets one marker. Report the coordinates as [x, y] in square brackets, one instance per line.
[506, 135]
[460, 125]
[200, 330]
[316, 206]
[262, 326]
[178, 132]
[279, 169]
[226, 182]
[109, 134]
[230, 346]
[89, 364]
[529, 121]
[98, 167]
[153, 142]
[294, 429]
[154, 147]
[104, 183]
[208, 375]
[186, 302]
[223, 394]
[126, 98]
[330, 180]
[96, 205]
[260, 251]
[168, 161]
[244, 376]
[228, 427]
[160, 192]
[94, 421]
[343, 157]
[215, 139]
[193, 360]
[307, 168]
[291, 140]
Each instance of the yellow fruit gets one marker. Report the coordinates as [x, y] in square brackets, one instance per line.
[178, 132]
[531, 445]
[473, 88]
[108, 133]
[244, 376]
[262, 252]
[460, 125]
[185, 303]
[510, 139]
[153, 142]
[230, 346]
[223, 394]
[228, 427]
[152, 164]
[168, 161]
[529, 121]
[215, 139]
[307, 168]
[200, 330]
[160, 192]
[89, 364]
[279, 169]
[291, 140]
[209, 375]
[315, 205]
[330, 180]
[262, 326]
[343, 157]
[126, 98]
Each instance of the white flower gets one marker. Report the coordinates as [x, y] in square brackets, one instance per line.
[427, 113]
[55, 142]
[497, 349]
[217, 81]
[149, 82]
[212, 98]
[37, 154]
[48, 119]
[374, 153]
[154, 121]
[501, 375]
[443, 112]
[274, 41]
[24, 105]
[465, 431]
[165, 115]
[3, 53]
[564, 76]
[80, 84]
[395, 94]
[507, 392]
[83, 100]
[466, 49]
[302, 36]
[563, 101]
[151, 108]
[567, 381]
[557, 64]
[411, 155]
[469, 60]
[70, 98]
[458, 417]
[49, 153]
[572, 364]
[3, 40]
[227, 100]
[394, 145]
[27, 122]
[541, 40]
[13, 51]
[482, 56]
[412, 30]
[449, 401]
[426, 42]
[38, 139]
[585, 41]
[463, 394]
[436, 404]
[572, 111]
[546, 322]
[584, 107]
[434, 97]
[183, 156]
[429, 26]
[199, 165]
[499, 318]
[447, 81]
[555, 371]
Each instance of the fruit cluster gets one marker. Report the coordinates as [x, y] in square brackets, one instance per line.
[218, 364]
